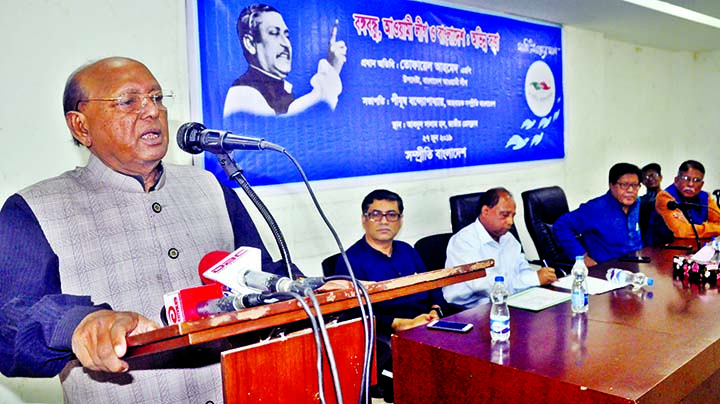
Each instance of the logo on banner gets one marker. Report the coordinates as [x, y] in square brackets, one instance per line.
[540, 88]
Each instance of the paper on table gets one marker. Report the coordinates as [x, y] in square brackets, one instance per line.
[596, 286]
[537, 299]
[705, 254]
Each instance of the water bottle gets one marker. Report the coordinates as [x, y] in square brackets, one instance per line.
[625, 277]
[579, 292]
[716, 255]
[499, 313]
[500, 352]
[579, 335]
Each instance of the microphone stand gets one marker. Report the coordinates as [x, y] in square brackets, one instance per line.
[692, 224]
[235, 174]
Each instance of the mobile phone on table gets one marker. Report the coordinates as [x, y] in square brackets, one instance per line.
[445, 325]
[635, 258]
[677, 247]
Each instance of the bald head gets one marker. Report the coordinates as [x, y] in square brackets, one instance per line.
[74, 88]
[79, 83]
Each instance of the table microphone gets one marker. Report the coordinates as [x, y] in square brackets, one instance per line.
[684, 206]
[672, 205]
[273, 283]
[230, 303]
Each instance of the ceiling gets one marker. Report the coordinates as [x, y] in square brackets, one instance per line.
[616, 19]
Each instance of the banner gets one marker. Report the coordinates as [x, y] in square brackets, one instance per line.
[357, 88]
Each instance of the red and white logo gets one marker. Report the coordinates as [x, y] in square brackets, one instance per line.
[230, 269]
[540, 88]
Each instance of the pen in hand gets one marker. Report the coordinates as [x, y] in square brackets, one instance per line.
[556, 269]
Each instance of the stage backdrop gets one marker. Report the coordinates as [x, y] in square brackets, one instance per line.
[425, 87]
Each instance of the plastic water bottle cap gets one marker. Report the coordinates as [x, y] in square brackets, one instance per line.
[499, 279]
[650, 281]
[579, 258]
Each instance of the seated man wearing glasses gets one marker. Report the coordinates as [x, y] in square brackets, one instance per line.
[609, 224]
[666, 224]
[377, 256]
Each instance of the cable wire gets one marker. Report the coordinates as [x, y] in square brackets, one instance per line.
[328, 346]
[316, 335]
[366, 327]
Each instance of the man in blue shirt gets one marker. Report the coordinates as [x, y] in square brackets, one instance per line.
[609, 224]
[377, 256]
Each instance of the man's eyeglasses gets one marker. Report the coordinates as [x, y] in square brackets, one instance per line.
[134, 102]
[625, 185]
[377, 216]
[694, 180]
[651, 176]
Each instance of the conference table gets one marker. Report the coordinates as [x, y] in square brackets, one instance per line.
[660, 344]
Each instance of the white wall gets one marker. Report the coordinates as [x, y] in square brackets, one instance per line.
[623, 103]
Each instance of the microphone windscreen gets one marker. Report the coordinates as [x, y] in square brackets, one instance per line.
[207, 261]
[188, 137]
[672, 205]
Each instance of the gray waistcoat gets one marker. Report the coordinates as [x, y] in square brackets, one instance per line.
[126, 247]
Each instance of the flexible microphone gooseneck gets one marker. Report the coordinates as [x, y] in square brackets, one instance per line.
[194, 138]
[672, 205]
[683, 206]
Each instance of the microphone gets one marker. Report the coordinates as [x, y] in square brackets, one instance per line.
[202, 301]
[684, 206]
[230, 303]
[182, 305]
[672, 205]
[230, 269]
[207, 262]
[273, 283]
[194, 138]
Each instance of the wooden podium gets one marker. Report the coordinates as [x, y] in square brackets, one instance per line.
[284, 369]
[289, 373]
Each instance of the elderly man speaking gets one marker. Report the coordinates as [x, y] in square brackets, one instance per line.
[86, 257]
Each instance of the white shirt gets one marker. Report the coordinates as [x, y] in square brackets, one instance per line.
[473, 243]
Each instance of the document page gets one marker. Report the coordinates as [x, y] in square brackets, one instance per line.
[537, 298]
[596, 286]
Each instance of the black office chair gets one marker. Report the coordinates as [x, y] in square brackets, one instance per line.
[543, 206]
[432, 250]
[328, 264]
[464, 210]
